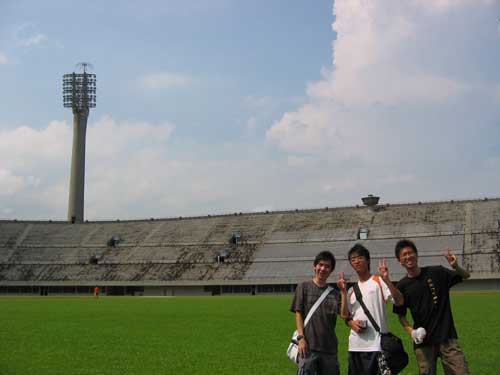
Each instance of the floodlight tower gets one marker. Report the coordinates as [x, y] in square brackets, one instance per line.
[79, 94]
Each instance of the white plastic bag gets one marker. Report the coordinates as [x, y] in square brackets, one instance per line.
[293, 349]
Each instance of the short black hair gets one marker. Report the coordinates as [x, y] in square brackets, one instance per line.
[325, 255]
[402, 244]
[360, 250]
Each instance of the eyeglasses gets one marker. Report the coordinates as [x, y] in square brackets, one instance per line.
[406, 255]
[433, 291]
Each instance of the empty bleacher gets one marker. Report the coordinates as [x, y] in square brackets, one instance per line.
[257, 249]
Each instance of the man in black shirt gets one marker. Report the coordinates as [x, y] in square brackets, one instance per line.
[317, 340]
[426, 294]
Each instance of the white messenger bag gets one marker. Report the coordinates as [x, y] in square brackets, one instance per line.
[293, 349]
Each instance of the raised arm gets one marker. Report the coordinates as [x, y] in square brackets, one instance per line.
[342, 284]
[453, 261]
[383, 272]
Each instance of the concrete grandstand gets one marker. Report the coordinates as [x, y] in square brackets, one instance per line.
[256, 253]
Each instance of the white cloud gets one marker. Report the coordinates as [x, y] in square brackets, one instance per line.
[3, 59]
[33, 41]
[399, 87]
[446, 5]
[36, 163]
[370, 65]
[323, 129]
[23, 147]
[300, 161]
[402, 104]
[10, 184]
[132, 172]
[389, 72]
[164, 81]
[109, 140]
[33, 161]
[27, 36]
[405, 110]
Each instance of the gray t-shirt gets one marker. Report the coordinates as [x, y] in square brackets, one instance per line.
[320, 331]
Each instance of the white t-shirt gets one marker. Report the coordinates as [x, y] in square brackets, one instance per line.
[375, 296]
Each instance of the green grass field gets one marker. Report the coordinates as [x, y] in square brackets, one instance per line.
[201, 335]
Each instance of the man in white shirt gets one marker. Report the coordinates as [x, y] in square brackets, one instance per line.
[365, 353]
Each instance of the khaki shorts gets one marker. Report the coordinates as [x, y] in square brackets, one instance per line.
[452, 358]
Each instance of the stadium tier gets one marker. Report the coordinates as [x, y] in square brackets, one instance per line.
[241, 253]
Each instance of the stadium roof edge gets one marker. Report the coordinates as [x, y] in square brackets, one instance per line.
[284, 211]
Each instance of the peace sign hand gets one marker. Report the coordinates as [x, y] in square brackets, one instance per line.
[341, 283]
[383, 271]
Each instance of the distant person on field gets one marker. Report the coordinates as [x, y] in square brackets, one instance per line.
[96, 292]
[426, 294]
[365, 353]
[318, 343]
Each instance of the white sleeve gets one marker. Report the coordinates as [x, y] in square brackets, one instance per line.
[387, 293]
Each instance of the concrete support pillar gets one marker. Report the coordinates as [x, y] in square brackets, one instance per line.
[469, 245]
[77, 179]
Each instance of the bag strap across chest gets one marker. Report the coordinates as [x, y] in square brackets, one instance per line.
[359, 297]
[316, 304]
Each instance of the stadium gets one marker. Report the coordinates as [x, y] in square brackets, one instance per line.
[240, 253]
[234, 141]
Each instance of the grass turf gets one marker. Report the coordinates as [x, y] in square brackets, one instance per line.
[199, 335]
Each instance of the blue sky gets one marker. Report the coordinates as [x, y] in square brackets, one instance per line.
[225, 106]
[228, 50]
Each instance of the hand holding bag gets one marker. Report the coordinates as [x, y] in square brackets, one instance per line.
[293, 349]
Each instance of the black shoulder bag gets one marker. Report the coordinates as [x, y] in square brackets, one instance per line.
[392, 346]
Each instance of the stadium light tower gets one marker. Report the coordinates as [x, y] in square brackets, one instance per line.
[79, 94]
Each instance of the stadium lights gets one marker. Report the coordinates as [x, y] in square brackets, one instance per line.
[79, 94]
[79, 90]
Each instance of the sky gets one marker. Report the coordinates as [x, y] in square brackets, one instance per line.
[222, 106]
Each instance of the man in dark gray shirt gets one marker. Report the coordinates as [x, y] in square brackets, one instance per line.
[318, 341]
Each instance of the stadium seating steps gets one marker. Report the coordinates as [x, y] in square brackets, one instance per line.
[271, 245]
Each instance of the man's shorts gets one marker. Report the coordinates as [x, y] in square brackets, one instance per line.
[319, 363]
[452, 358]
[363, 363]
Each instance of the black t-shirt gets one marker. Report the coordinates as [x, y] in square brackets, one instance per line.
[428, 298]
[320, 331]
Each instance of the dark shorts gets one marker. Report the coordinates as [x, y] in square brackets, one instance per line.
[363, 363]
[452, 358]
[319, 363]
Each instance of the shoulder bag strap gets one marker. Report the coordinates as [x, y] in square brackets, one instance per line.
[316, 304]
[359, 297]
